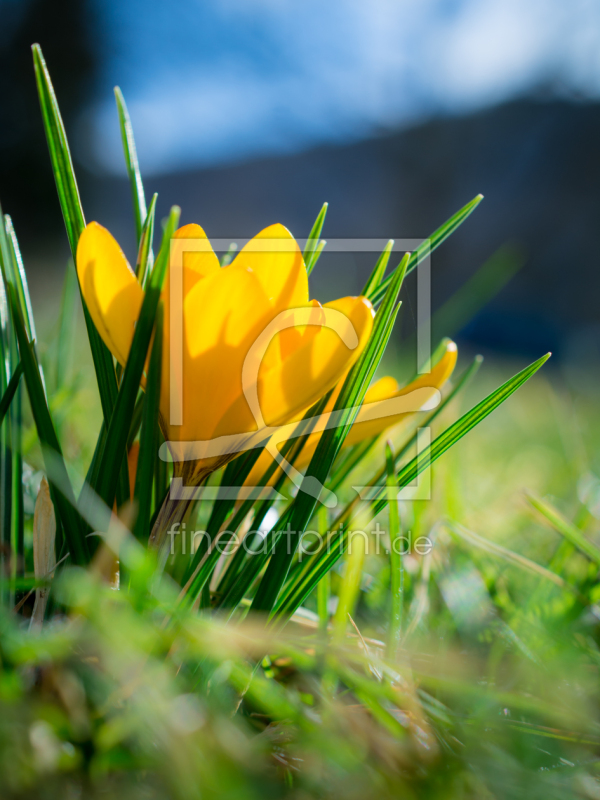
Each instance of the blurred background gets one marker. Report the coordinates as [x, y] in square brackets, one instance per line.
[248, 112]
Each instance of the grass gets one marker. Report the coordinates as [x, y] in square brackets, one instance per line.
[466, 666]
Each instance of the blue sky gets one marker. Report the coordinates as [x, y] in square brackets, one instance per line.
[217, 82]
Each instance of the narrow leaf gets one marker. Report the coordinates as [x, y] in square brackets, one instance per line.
[149, 435]
[379, 269]
[495, 549]
[433, 242]
[313, 239]
[145, 257]
[64, 503]
[70, 203]
[565, 527]
[396, 565]
[120, 423]
[317, 254]
[350, 588]
[10, 391]
[131, 161]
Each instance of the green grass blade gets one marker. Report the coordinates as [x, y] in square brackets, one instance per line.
[349, 462]
[60, 155]
[467, 422]
[396, 565]
[64, 504]
[324, 585]
[566, 528]
[21, 281]
[379, 269]
[434, 241]
[136, 420]
[317, 254]
[350, 588]
[70, 203]
[91, 477]
[120, 424]
[312, 243]
[161, 479]
[133, 167]
[348, 403]
[493, 548]
[145, 257]
[18, 512]
[228, 257]
[16, 409]
[149, 435]
[22, 288]
[6, 334]
[10, 391]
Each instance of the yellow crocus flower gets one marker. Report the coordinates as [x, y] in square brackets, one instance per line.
[224, 310]
[368, 422]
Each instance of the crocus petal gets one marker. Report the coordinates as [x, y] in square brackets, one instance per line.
[384, 389]
[283, 394]
[316, 365]
[433, 380]
[110, 288]
[275, 258]
[197, 264]
[222, 317]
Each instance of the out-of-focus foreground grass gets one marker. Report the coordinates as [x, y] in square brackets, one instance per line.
[494, 693]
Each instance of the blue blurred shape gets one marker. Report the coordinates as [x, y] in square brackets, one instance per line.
[214, 82]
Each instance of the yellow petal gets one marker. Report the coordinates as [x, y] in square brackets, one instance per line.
[317, 365]
[384, 389]
[222, 316]
[292, 338]
[311, 370]
[110, 288]
[275, 258]
[197, 264]
[364, 427]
